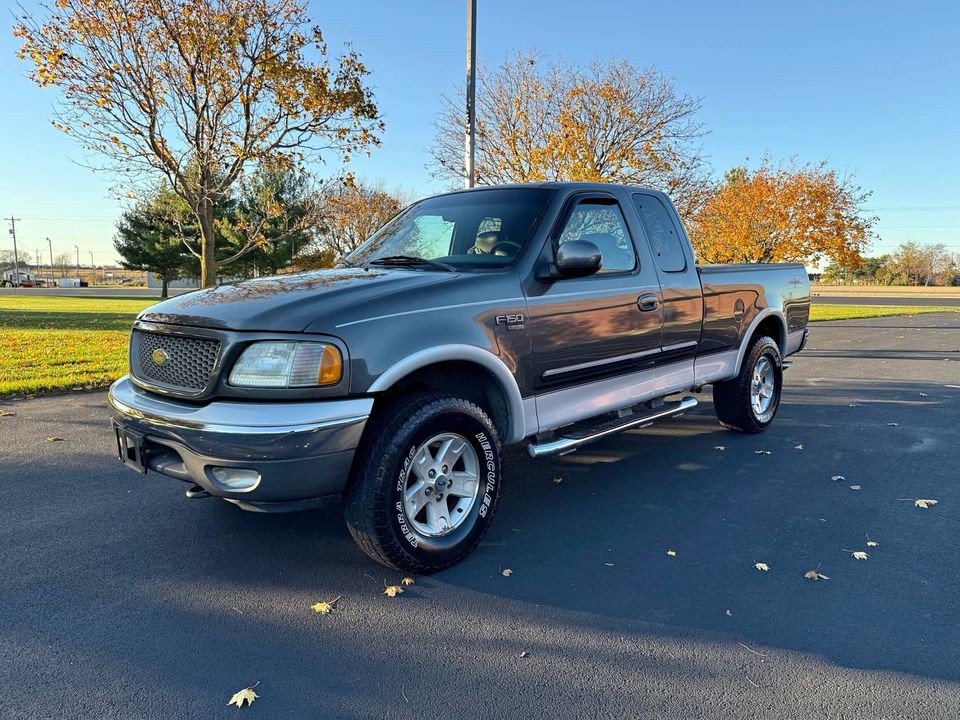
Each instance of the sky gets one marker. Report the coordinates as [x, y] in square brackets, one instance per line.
[872, 88]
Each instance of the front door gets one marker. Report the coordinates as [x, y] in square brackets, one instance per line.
[603, 325]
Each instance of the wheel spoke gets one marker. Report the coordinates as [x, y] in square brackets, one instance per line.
[463, 484]
[422, 462]
[449, 452]
[438, 516]
[415, 498]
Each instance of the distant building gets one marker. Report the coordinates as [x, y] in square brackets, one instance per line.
[154, 282]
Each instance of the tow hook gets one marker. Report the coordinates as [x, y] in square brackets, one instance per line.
[195, 491]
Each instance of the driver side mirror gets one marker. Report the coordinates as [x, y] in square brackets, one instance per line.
[576, 258]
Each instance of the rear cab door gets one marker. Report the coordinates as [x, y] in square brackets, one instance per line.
[661, 230]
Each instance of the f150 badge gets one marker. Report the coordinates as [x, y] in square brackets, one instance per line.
[512, 321]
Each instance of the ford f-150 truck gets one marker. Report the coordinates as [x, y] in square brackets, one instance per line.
[552, 314]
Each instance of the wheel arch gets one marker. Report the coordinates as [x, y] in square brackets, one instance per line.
[769, 321]
[467, 370]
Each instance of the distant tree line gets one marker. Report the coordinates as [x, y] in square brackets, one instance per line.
[910, 264]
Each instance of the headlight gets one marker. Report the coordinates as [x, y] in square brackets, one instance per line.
[287, 364]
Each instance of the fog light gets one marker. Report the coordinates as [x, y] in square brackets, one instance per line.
[235, 479]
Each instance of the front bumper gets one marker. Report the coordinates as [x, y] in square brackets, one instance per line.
[291, 451]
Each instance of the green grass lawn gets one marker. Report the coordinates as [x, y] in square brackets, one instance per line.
[851, 312]
[53, 344]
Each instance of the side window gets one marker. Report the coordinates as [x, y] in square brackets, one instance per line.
[665, 241]
[431, 236]
[601, 222]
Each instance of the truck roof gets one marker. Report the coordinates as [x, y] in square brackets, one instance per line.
[558, 185]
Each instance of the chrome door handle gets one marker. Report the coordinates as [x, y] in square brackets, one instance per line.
[646, 303]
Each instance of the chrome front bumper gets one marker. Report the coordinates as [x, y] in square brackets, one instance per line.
[288, 452]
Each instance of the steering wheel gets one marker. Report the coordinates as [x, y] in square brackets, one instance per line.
[502, 244]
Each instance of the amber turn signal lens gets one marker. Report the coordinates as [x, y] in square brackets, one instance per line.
[331, 366]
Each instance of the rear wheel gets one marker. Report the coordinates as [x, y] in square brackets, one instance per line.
[426, 482]
[749, 402]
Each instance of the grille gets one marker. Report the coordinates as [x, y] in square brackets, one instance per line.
[189, 363]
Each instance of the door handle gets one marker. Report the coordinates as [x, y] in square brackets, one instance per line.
[646, 303]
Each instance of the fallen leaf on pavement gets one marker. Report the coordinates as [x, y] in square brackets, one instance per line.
[856, 487]
[54, 438]
[721, 448]
[729, 614]
[672, 553]
[924, 395]
[798, 447]
[762, 452]
[392, 590]
[325, 608]
[762, 566]
[872, 543]
[407, 581]
[924, 503]
[506, 572]
[523, 653]
[838, 478]
[247, 695]
[6, 413]
[815, 575]
[859, 555]
[891, 424]
[557, 480]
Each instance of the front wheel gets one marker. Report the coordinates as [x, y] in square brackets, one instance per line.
[749, 402]
[426, 482]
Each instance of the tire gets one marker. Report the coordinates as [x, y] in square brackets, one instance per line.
[734, 399]
[391, 464]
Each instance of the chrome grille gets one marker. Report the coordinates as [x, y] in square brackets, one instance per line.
[188, 364]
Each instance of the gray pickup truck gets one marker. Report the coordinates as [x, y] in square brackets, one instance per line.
[553, 314]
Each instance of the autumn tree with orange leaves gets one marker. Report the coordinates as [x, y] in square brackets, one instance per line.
[198, 92]
[607, 122]
[783, 214]
[352, 212]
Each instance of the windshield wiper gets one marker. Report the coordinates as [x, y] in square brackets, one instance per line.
[410, 261]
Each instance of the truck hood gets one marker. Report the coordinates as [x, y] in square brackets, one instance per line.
[288, 303]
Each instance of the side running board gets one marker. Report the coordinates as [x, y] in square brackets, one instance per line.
[575, 439]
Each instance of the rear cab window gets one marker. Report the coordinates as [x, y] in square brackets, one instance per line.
[662, 234]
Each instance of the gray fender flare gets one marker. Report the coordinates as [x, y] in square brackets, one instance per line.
[465, 353]
[761, 316]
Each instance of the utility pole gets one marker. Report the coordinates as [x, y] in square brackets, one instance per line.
[53, 279]
[470, 148]
[78, 260]
[16, 259]
[93, 269]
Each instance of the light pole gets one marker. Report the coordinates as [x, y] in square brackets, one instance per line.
[53, 279]
[469, 152]
[78, 260]
[93, 269]
[16, 259]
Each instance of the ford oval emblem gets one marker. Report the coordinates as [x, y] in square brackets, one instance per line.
[159, 356]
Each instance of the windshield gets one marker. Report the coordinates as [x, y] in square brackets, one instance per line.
[469, 230]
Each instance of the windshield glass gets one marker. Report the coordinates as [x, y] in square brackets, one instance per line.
[469, 230]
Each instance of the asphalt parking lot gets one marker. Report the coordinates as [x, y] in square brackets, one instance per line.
[119, 598]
